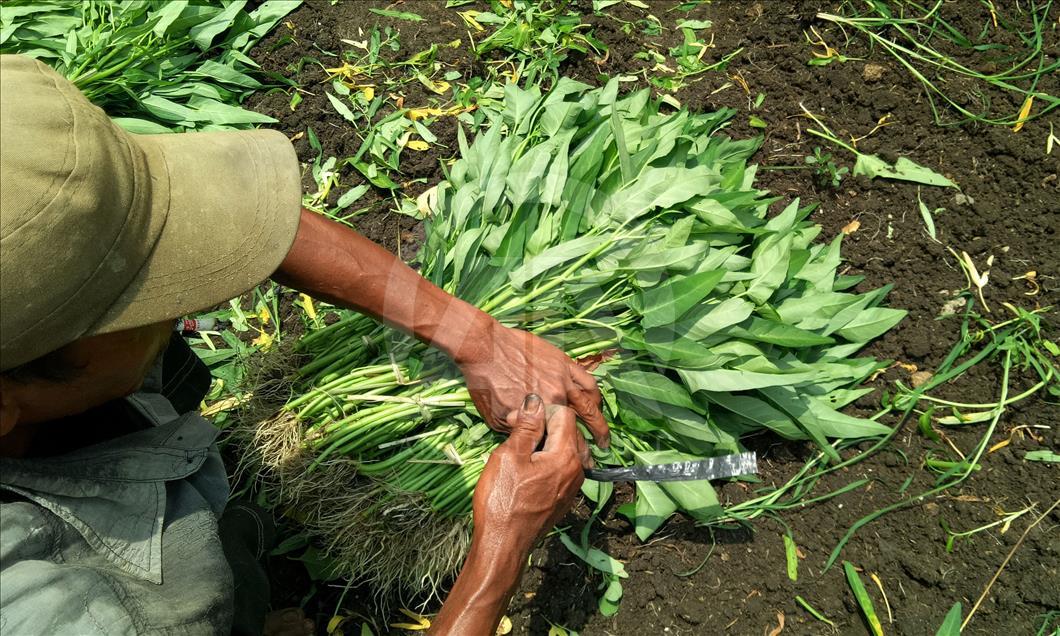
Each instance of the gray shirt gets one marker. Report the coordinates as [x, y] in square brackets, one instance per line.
[119, 537]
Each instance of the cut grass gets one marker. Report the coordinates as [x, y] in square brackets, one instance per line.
[908, 32]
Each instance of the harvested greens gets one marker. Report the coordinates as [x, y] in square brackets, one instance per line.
[634, 240]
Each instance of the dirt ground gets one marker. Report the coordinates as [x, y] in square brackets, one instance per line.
[1008, 206]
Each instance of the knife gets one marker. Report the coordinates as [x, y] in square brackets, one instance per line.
[712, 468]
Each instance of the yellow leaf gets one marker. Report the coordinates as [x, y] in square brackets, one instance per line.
[1024, 112]
[469, 19]
[418, 145]
[334, 624]
[368, 92]
[851, 227]
[505, 626]
[439, 88]
[422, 622]
[264, 316]
[264, 340]
[346, 70]
[996, 447]
[307, 305]
[416, 114]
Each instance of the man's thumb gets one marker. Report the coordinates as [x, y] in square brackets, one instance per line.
[527, 425]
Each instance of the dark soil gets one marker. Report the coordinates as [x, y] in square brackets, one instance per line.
[1008, 207]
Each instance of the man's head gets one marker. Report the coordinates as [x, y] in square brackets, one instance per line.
[104, 233]
[81, 375]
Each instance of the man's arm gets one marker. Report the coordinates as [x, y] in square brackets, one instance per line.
[501, 365]
[521, 494]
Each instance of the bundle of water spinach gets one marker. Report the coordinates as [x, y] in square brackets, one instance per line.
[633, 239]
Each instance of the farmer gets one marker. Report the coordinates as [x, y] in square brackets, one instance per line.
[113, 514]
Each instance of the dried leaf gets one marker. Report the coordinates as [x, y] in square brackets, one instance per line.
[779, 628]
[1024, 112]
[851, 227]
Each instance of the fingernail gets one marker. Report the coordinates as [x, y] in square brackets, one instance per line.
[532, 404]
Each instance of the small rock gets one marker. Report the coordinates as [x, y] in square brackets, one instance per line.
[920, 378]
[963, 199]
[951, 307]
[872, 72]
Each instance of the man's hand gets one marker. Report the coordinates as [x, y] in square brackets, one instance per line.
[521, 494]
[503, 365]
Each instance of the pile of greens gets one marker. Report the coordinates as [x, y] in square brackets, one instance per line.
[633, 239]
[154, 65]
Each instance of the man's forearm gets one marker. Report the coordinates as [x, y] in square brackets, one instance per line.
[481, 593]
[335, 263]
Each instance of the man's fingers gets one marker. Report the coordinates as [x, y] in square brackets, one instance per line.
[588, 409]
[588, 405]
[527, 426]
[482, 402]
[562, 431]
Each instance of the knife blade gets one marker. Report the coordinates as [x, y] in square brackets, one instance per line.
[711, 468]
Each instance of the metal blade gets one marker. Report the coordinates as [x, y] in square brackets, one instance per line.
[712, 468]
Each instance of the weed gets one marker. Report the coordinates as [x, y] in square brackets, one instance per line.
[825, 171]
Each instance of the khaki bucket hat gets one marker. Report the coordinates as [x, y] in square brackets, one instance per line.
[102, 230]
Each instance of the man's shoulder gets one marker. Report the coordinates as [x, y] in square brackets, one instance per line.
[40, 592]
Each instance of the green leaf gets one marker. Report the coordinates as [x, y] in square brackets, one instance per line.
[862, 596]
[351, 196]
[657, 188]
[929, 220]
[710, 318]
[596, 559]
[697, 498]
[553, 257]
[769, 264]
[760, 330]
[167, 15]
[666, 303]
[608, 603]
[791, 557]
[679, 351]
[140, 126]
[203, 34]
[226, 74]
[735, 380]
[903, 170]
[871, 323]
[653, 387]
[654, 507]
[951, 625]
[400, 15]
[757, 411]
[342, 109]
[217, 113]
[1042, 456]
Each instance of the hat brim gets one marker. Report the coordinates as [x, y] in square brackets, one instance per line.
[231, 203]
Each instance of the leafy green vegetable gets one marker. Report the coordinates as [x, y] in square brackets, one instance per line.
[155, 66]
[624, 234]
